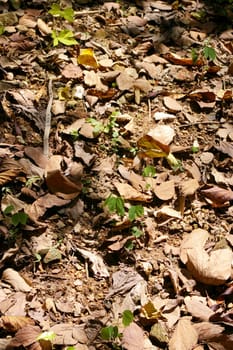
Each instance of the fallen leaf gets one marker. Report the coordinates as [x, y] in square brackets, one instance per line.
[14, 323]
[162, 133]
[98, 266]
[165, 190]
[198, 308]
[152, 147]
[87, 58]
[133, 337]
[40, 206]
[25, 337]
[71, 71]
[172, 104]
[189, 187]
[202, 265]
[185, 336]
[129, 193]
[15, 280]
[218, 196]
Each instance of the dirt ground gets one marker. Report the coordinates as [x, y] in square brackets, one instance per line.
[116, 175]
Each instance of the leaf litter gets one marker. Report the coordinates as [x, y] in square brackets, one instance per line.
[140, 99]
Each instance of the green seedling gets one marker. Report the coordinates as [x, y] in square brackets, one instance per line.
[127, 318]
[2, 29]
[65, 37]
[207, 52]
[48, 335]
[136, 232]
[32, 180]
[195, 147]
[112, 334]
[149, 171]
[67, 14]
[115, 205]
[135, 211]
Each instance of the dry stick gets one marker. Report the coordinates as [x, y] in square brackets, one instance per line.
[48, 119]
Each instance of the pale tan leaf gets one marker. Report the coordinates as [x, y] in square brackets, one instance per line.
[163, 134]
[198, 309]
[133, 337]
[129, 193]
[136, 180]
[172, 104]
[185, 336]
[124, 81]
[207, 330]
[15, 280]
[68, 334]
[72, 71]
[165, 190]
[202, 265]
[189, 187]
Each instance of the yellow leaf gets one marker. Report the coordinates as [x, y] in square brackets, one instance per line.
[87, 58]
[152, 148]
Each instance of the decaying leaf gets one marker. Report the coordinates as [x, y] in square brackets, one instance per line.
[15, 280]
[218, 196]
[25, 337]
[14, 323]
[202, 265]
[98, 266]
[133, 337]
[185, 336]
[129, 193]
[152, 148]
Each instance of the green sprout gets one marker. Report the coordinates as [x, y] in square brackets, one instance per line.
[67, 14]
[65, 37]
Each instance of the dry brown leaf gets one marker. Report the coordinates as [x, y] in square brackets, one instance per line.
[202, 265]
[40, 206]
[133, 337]
[142, 85]
[189, 187]
[25, 337]
[69, 334]
[14, 323]
[97, 263]
[136, 180]
[165, 190]
[198, 308]
[218, 196]
[225, 147]
[58, 183]
[88, 158]
[129, 193]
[15, 280]
[72, 71]
[222, 178]
[124, 81]
[185, 336]
[172, 104]
[176, 59]
[207, 330]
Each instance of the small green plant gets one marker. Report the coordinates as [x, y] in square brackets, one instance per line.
[112, 334]
[32, 180]
[135, 211]
[14, 220]
[207, 52]
[136, 232]
[2, 28]
[149, 171]
[115, 205]
[65, 37]
[67, 14]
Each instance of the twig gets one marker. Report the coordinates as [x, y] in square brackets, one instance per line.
[204, 122]
[48, 119]
[84, 13]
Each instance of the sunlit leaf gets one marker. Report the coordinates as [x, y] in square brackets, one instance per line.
[127, 317]
[209, 53]
[87, 58]
[152, 148]
[135, 211]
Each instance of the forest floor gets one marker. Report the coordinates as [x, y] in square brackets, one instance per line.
[116, 175]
